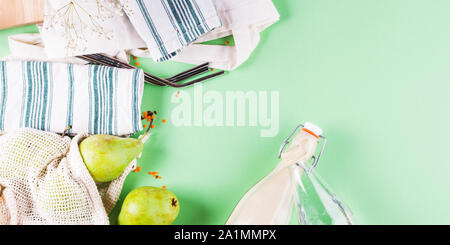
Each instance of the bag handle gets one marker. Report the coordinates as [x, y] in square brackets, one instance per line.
[29, 46]
[220, 56]
[244, 19]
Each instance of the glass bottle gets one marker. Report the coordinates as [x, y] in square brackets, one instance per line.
[270, 201]
[315, 203]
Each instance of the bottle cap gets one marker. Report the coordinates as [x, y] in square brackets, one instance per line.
[313, 128]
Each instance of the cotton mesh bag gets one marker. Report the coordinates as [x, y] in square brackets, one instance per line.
[43, 180]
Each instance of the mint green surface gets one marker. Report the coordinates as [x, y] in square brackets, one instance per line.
[374, 74]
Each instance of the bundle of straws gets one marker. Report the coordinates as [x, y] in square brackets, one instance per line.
[174, 81]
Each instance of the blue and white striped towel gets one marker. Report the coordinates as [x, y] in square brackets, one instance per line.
[50, 96]
[167, 26]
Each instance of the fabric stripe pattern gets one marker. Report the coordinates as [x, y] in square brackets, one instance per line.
[172, 21]
[51, 96]
[167, 26]
[201, 15]
[151, 27]
[135, 103]
[70, 91]
[36, 90]
[102, 83]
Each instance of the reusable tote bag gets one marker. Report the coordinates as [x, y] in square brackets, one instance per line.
[244, 19]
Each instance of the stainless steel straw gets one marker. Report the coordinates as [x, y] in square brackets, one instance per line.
[173, 81]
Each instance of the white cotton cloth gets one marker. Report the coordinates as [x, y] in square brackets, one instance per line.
[30, 46]
[167, 26]
[109, 31]
[244, 19]
[52, 96]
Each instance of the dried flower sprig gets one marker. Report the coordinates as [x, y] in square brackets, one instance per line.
[118, 7]
[77, 22]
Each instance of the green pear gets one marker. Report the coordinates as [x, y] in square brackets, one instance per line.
[149, 206]
[106, 156]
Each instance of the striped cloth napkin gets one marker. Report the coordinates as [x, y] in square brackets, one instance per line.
[51, 96]
[166, 26]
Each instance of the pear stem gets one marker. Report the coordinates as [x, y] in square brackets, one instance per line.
[66, 130]
[146, 134]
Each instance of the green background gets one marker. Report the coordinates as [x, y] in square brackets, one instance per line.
[374, 74]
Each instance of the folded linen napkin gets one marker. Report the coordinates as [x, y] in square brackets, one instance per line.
[167, 26]
[51, 96]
